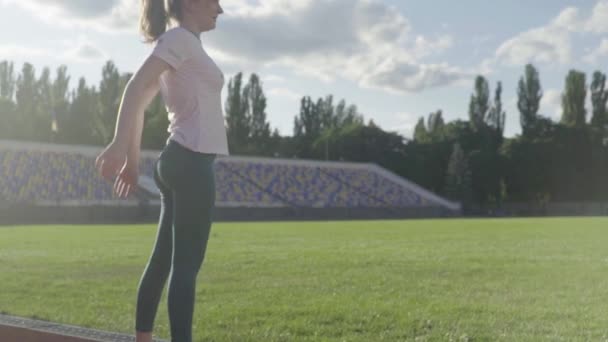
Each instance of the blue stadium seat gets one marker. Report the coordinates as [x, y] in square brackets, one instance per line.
[33, 176]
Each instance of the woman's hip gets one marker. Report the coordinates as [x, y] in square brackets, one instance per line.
[180, 168]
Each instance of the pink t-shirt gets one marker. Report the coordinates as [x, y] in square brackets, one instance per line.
[192, 92]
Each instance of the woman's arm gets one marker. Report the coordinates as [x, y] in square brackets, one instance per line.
[138, 94]
[135, 145]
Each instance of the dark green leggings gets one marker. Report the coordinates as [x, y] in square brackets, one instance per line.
[187, 185]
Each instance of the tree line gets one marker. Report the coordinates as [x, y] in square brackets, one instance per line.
[466, 160]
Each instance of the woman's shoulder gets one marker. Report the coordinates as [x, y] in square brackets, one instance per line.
[175, 33]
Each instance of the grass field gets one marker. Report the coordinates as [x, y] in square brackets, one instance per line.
[459, 280]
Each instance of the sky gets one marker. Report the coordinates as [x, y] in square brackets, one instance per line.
[397, 60]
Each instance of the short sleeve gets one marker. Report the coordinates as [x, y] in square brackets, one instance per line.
[174, 47]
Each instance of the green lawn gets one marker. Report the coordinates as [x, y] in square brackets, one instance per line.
[458, 280]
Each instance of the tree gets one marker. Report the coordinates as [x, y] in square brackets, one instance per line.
[307, 127]
[259, 131]
[26, 98]
[497, 116]
[529, 95]
[79, 126]
[479, 104]
[42, 119]
[458, 177]
[366, 143]
[352, 116]
[432, 131]
[320, 120]
[344, 115]
[340, 114]
[420, 133]
[7, 106]
[573, 100]
[238, 122]
[436, 125]
[110, 93]
[308, 123]
[599, 97]
[7, 80]
[487, 124]
[529, 169]
[156, 121]
[60, 98]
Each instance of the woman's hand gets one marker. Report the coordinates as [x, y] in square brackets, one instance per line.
[126, 182]
[113, 165]
[111, 161]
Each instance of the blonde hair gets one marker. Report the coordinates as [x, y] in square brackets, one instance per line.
[155, 15]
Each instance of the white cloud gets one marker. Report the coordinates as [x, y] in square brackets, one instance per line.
[568, 19]
[274, 78]
[73, 8]
[106, 15]
[551, 43]
[284, 92]
[396, 77]
[405, 124]
[482, 39]
[425, 47]
[14, 51]
[547, 44]
[599, 52]
[84, 53]
[551, 104]
[598, 22]
[373, 45]
[302, 35]
[80, 50]
[512, 102]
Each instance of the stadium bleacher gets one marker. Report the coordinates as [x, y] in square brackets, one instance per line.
[42, 173]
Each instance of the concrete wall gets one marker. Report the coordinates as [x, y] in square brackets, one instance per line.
[25, 214]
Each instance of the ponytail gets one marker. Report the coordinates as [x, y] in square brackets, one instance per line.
[153, 20]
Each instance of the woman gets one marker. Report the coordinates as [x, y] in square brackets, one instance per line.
[190, 83]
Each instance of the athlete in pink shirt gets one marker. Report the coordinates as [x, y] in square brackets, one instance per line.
[192, 92]
[191, 84]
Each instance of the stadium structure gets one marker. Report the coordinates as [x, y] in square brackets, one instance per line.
[50, 183]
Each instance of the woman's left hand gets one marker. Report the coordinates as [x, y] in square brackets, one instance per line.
[126, 180]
